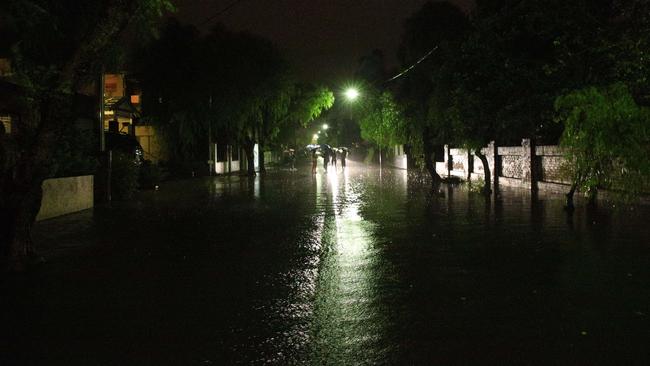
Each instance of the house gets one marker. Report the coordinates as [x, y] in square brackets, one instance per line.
[122, 111]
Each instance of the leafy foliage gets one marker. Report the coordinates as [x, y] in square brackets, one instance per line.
[74, 153]
[124, 175]
[236, 86]
[496, 75]
[381, 122]
[607, 138]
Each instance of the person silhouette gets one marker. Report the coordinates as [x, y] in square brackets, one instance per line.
[314, 159]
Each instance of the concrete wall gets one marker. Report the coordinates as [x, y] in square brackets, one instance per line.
[66, 195]
[221, 167]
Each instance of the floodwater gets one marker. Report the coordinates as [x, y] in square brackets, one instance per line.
[352, 268]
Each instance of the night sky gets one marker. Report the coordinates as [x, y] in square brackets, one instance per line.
[324, 39]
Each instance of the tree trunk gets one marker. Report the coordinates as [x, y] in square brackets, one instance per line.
[249, 147]
[23, 173]
[429, 157]
[487, 188]
[569, 198]
[577, 180]
[22, 192]
[591, 197]
[16, 233]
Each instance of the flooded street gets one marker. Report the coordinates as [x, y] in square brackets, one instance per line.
[352, 268]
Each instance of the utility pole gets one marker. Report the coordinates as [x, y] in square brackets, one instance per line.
[381, 135]
[100, 93]
[211, 155]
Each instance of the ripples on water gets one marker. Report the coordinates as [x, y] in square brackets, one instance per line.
[341, 269]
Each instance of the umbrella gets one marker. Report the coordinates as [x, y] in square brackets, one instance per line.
[312, 147]
[326, 147]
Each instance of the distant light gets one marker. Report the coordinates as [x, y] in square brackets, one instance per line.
[315, 136]
[351, 94]
[325, 126]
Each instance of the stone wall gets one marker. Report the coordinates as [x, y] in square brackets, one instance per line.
[66, 195]
[459, 162]
[549, 164]
[529, 166]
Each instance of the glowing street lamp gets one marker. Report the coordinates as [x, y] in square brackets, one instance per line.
[351, 94]
[325, 126]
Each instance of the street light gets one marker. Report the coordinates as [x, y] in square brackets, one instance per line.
[325, 126]
[351, 94]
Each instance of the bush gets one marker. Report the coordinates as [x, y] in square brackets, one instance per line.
[74, 153]
[124, 176]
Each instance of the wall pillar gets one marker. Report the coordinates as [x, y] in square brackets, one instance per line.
[470, 165]
[491, 155]
[449, 164]
[229, 158]
[527, 164]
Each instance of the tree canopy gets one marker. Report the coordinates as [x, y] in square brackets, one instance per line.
[496, 75]
[234, 85]
[607, 139]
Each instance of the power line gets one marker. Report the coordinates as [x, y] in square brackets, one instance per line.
[412, 66]
[220, 12]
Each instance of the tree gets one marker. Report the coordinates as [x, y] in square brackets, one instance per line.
[607, 140]
[380, 121]
[518, 58]
[308, 102]
[176, 95]
[56, 48]
[424, 92]
[236, 86]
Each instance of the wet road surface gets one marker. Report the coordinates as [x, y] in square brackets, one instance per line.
[333, 269]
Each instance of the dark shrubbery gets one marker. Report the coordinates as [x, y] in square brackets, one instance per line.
[74, 153]
[124, 176]
[150, 175]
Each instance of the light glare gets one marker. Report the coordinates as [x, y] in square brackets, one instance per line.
[351, 94]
